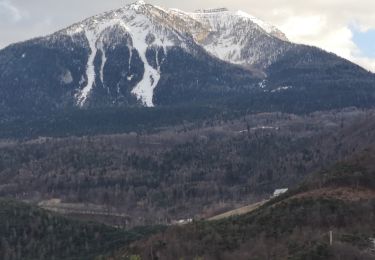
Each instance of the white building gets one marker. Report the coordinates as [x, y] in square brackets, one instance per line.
[278, 192]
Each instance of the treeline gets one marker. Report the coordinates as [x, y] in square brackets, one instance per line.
[28, 124]
[101, 121]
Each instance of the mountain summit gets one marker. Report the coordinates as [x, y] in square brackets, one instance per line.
[221, 33]
[145, 55]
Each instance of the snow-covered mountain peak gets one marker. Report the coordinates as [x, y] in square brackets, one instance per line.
[138, 6]
[223, 16]
[138, 3]
[141, 54]
[147, 27]
[232, 36]
[269, 28]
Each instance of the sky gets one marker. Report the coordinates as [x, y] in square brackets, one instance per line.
[345, 27]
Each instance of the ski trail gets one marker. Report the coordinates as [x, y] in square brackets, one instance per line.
[90, 68]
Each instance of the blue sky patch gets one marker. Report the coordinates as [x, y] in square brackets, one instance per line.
[365, 41]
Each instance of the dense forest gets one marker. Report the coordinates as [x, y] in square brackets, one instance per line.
[186, 171]
[296, 225]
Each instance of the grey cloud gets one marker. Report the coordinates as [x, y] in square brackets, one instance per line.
[8, 12]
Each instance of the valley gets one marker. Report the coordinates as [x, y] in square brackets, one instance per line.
[147, 132]
[195, 170]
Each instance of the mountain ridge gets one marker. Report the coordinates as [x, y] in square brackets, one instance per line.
[142, 55]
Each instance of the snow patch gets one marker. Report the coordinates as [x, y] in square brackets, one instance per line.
[75, 30]
[138, 4]
[103, 62]
[231, 33]
[279, 89]
[90, 69]
[228, 49]
[66, 78]
[144, 90]
[227, 34]
[265, 26]
[138, 23]
[259, 128]
[263, 84]
[168, 27]
[82, 80]
[93, 36]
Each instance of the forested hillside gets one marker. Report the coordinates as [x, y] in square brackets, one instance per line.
[184, 171]
[27, 232]
[297, 225]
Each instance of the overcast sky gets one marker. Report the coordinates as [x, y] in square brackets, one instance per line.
[346, 27]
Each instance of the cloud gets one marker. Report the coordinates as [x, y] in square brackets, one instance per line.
[312, 30]
[339, 40]
[325, 24]
[365, 62]
[9, 12]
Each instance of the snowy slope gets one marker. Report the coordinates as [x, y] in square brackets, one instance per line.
[269, 28]
[240, 38]
[226, 35]
[236, 37]
[138, 20]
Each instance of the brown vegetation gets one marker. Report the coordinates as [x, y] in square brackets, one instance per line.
[182, 172]
[296, 225]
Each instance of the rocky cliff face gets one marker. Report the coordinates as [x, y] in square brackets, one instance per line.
[236, 37]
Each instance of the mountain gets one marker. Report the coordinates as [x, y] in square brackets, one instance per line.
[297, 225]
[144, 55]
[118, 57]
[235, 37]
